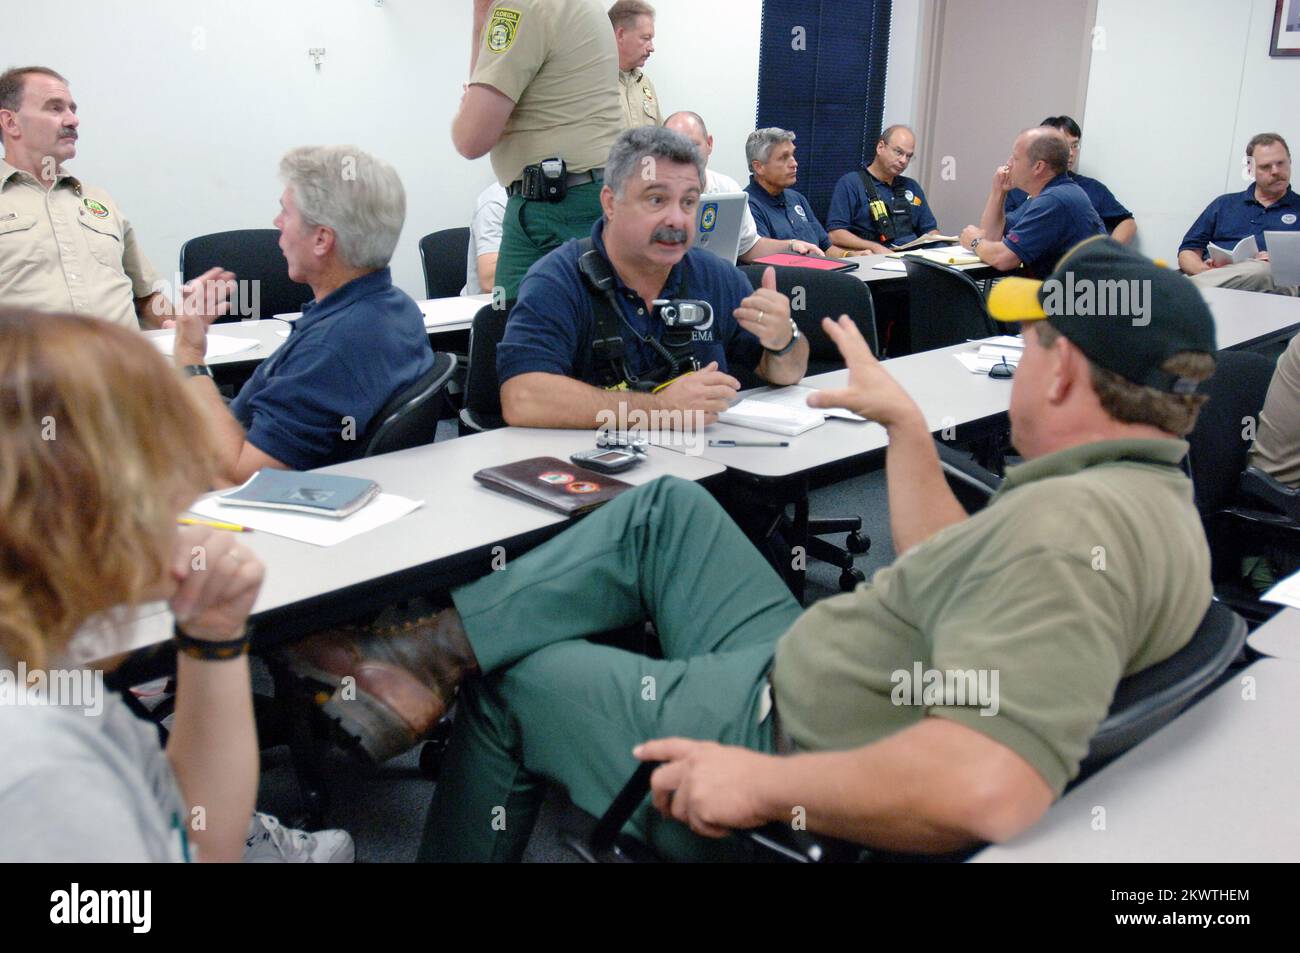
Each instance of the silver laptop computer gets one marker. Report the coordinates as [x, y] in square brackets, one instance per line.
[1284, 257]
[718, 222]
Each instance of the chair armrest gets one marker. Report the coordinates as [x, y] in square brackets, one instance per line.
[1258, 485]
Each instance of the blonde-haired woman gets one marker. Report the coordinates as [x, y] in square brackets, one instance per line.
[100, 450]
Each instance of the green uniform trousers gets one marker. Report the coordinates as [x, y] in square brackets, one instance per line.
[552, 705]
[531, 229]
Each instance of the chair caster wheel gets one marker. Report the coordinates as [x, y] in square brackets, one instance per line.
[856, 543]
[850, 578]
[433, 750]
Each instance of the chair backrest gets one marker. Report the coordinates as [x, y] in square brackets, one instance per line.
[1219, 444]
[410, 418]
[482, 409]
[253, 254]
[444, 255]
[1148, 700]
[945, 306]
[824, 294]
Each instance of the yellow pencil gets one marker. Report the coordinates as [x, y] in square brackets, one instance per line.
[233, 527]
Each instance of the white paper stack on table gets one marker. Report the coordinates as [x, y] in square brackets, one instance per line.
[783, 410]
[992, 351]
[219, 345]
[1244, 250]
[953, 254]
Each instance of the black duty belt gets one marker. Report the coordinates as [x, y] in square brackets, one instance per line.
[572, 179]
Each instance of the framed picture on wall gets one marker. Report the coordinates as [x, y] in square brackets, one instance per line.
[1286, 29]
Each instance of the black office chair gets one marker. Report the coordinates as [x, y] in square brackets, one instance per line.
[1245, 511]
[253, 254]
[444, 255]
[945, 306]
[482, 409]
[410, 418]
[825, 294]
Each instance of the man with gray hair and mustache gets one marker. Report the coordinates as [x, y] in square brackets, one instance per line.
[359, 342]
[573, 352]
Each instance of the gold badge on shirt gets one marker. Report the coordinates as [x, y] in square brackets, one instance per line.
[501, 29]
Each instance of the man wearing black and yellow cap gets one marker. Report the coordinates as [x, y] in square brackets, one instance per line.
[1089, 564]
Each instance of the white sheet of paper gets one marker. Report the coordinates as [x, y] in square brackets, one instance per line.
[219, 345]
[797, 397]
[1286, 592]
[439, 312]
[976, 364]
[317, 530]
[891, 264]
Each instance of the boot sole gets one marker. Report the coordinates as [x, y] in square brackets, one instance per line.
[363, 724]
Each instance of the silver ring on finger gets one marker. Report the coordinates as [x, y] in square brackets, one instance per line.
[760, 316]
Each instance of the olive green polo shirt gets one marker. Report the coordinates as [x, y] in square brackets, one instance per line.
[68, 248]
[1276, 450]
[1088, 565]
[558, 61]
[638, 99]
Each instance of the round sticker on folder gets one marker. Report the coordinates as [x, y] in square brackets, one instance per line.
[555, 476]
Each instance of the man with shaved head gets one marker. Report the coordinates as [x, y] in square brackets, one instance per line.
[1056, 217]
[876, 208]
[752, 245]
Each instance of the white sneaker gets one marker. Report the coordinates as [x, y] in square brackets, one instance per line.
[269, 842]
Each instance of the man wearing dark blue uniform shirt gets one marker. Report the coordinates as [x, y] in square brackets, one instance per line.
[1059, 215]
[356, 345]
[553, 374]
[1118, 220]
[1268, 204]
[877, 208]
[779, 211]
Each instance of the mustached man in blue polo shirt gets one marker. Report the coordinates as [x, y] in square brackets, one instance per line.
[779, 211]
[1267, 204]
[876, 209]
[356, 345]
[1057, 217]
[574, 353]
[1118, 220]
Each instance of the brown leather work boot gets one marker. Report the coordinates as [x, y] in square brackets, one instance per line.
[405, 677]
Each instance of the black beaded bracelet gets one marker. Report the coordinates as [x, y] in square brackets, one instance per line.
[208, 651]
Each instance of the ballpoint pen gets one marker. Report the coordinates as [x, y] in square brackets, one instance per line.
[749, 443]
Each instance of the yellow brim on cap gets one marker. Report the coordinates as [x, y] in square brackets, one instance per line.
[1016, 299]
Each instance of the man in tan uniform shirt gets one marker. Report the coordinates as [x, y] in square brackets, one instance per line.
[634, 31]
[542, 85]
[64, 245]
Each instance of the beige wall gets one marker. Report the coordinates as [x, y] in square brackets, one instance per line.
[990, 68]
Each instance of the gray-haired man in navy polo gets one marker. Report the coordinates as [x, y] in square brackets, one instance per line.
[1057, 216]
[356, 345]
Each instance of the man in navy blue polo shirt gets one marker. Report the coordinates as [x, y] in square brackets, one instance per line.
[779, 211]
[1267, 204]
[893, 213]
[1058, 216]
[1118, 220]
[356, 345]
[552, 372]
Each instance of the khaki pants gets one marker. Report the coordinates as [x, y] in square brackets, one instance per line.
[1253, 275]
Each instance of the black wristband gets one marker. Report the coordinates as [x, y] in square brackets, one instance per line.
[208, 651]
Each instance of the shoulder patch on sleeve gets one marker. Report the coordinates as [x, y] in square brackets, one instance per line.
[501, 29]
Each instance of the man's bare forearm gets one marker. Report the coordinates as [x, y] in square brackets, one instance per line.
[552, 400]
[920, 501]
[994, 219]
[1191, 261]
[226, 433]
[935, 787]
